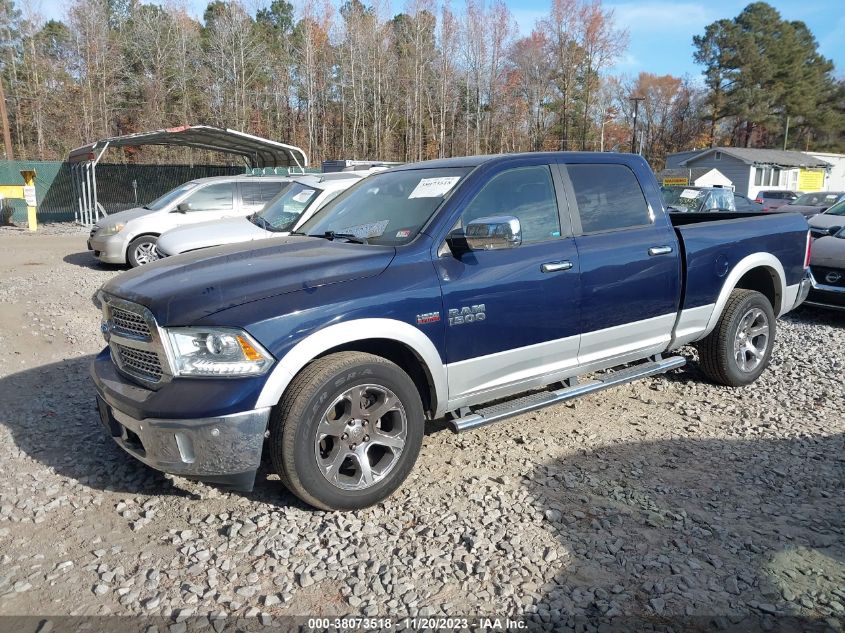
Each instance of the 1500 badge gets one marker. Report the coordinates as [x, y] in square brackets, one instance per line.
[469, 314]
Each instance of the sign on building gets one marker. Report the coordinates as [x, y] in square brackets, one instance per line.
[675, 182]
[811, 180]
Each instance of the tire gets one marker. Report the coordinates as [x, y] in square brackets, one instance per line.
[318, 438]
[142, 250]
[726, 355]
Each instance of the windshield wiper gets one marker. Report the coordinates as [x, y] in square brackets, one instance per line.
[260, 222]
[349, 237]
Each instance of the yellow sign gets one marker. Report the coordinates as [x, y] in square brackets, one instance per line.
[810, 180]
[675, 182]
[25, 192]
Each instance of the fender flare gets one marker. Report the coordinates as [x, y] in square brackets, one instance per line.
[750, 262]
[347, 332]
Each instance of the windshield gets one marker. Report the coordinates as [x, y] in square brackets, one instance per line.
[816, 199]
[282, 212]
[683, 199]
[168, 198]
[837, 209]
[387, 208]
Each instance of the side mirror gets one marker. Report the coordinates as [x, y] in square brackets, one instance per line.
[183, 207]
[486, 234]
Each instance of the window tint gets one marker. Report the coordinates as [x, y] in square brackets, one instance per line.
[609, 197]
[254, 195]
[212, 198]
[527, 194]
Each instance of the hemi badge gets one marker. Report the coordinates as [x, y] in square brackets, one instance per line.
[428, 317]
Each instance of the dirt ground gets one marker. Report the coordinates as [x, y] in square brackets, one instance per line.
[664, 499]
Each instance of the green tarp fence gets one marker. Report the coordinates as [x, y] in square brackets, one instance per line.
[119, 187]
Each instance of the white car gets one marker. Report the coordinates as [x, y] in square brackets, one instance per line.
[290, 208]
[130, 237]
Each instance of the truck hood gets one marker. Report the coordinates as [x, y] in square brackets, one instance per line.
[124, 216]
[182, 289]
[213, 233]
[829, 252]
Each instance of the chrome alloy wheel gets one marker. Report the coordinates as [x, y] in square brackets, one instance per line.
[360, 437]
[752, 340]
[146, 253]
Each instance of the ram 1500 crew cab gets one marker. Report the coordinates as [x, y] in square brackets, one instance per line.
[430, 291]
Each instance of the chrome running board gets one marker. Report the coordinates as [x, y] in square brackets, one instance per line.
[510, 408]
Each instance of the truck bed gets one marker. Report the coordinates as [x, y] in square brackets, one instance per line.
[713, 243]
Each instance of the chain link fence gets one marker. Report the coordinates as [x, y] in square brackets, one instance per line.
[119, 187]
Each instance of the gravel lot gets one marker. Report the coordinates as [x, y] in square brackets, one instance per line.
[668, 497]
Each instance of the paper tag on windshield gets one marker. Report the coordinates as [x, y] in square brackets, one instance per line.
[304, 195]
[689, 193]
[434, 187]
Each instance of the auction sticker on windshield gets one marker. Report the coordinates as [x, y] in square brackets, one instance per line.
[434, 187]
[689, 193]
[304, 195]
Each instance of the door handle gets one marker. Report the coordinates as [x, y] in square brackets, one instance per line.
[660, 250]
[553, 267]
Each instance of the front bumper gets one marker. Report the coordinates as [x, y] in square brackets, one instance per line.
[224, 450]
[110, 249]
[825, 295]
[200, 429]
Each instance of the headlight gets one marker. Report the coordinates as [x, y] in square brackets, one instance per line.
[111, 229]
[222, 352]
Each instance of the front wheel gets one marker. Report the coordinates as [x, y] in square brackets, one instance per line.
[142, 250]
[347, 432]
[739, 348]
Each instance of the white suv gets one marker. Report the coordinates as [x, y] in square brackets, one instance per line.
[130, 237]
[295, 204]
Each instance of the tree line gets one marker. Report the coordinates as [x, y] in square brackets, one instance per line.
[429, 82]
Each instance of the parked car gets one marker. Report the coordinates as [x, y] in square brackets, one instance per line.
[827, 270]
[130, 237]
[294, 204]
[427, 292]
[810, 204]
[705, 199]
[828, 221]
[745, 205]
[774, 199]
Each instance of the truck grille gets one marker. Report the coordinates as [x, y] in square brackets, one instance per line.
[125, 322]
[135, 342]
[828, 276]
[141, 363]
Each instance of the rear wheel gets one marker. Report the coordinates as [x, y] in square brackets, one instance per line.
[347, 432]
[142, 250]
[739, 348]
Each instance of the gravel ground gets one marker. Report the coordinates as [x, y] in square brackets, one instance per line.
[665, 498]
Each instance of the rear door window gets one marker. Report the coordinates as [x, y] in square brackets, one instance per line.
[254, 195]
[609, 197]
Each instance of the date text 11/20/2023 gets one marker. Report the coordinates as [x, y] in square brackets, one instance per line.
[491, 623]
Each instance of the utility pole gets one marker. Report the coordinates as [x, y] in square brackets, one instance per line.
[786, 133]
[636, 101]
[4, 121]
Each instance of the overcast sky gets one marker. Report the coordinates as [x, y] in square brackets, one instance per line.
[660, 30]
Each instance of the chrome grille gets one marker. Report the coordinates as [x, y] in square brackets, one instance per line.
[143, 364]
[125, 322]
[135, 341]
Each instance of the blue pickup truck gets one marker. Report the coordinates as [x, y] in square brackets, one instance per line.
[470, 289]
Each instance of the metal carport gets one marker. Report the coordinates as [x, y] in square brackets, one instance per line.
[257, 152]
